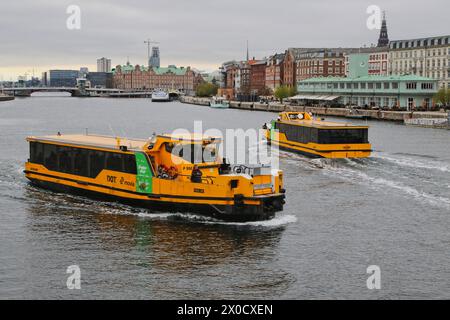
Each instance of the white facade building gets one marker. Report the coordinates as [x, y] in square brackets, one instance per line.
[427, 57]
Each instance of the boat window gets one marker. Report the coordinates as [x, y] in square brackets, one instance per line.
[80, 162]
[97, 162]
[36, 152]
[114, 162]
[339, 136]
[196, 153]
[50, 157]
[129, 163]
[301, 134]
[65, 159]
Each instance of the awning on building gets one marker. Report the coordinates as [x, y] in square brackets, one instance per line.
[314, 97]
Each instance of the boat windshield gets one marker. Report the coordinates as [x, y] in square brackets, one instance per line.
[296, 116]
[194, 152]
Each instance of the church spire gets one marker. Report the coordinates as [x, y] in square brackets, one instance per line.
[247, 50]
[383, 40]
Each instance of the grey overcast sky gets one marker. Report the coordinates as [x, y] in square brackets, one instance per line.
[199, 33]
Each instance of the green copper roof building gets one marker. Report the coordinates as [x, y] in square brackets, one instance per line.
[405, 92]
[180, 71]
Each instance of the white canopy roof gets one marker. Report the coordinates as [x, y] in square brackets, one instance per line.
[314, 97]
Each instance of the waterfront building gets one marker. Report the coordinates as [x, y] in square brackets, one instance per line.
[243, 88]
[103, 65]
[44, 79]
[274, 71]
[130, 77]
[228, 70]
[406, 92]
[426, 57]
[322, 62]
[237, 79]
[373, 59]
[100, 79]
[290, 63]
[257, 77]
[231, 79]
[154, 58]
[62, 78]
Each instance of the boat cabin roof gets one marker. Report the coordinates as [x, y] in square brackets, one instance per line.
[192, 137]
[92, 141]
[110, 142]
[317, 123]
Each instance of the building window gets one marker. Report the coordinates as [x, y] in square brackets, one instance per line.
[378, 85]
[342, 85]
[411, 85]
[394, 102]
[427, 86]
[370, 85]
[410, 103]
[349, 85]
[363, 85]
[386, 85]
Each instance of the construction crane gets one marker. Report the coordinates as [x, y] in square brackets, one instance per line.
[149, 42]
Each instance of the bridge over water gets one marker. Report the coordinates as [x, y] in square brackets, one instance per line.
[77, 92]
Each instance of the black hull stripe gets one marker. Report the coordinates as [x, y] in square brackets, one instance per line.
[322, 151]
[136, 193]
[222, 212]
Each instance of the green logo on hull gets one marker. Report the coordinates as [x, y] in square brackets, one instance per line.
[272, 130]
[144, 174]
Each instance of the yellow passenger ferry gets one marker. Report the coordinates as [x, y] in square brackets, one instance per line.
[299, 132]
[164, 173]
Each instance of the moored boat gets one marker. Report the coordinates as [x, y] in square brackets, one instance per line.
[5, 97]
[219, 102]
[172, 173]
[299, 132]
[160, 96]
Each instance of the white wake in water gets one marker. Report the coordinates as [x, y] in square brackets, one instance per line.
[414, 163]
[277, 221]
[374, 182]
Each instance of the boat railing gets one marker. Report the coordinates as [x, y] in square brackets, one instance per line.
[206, 179]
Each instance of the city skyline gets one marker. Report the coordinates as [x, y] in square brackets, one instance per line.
[188, 37]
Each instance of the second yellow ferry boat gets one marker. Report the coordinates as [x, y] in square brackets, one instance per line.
[299, 132]
[162, 173]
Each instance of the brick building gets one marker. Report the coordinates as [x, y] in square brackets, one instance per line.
[274, 71]
[324, 62]
[143, 78]
[291, 59]
[257, 77]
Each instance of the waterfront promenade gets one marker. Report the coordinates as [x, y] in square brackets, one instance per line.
[324, 111]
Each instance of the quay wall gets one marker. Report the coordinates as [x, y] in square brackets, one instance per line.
[6, 98]
[324, 111]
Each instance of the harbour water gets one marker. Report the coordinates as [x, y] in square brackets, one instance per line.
[390, 210]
